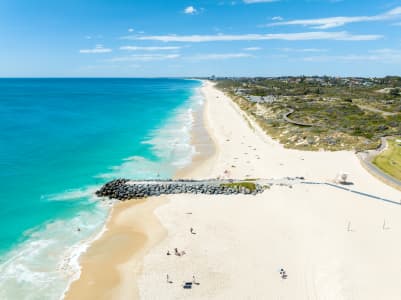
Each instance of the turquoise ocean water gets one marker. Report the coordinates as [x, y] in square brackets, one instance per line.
[60, 139]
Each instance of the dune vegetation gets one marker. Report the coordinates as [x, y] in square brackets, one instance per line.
[325, 112]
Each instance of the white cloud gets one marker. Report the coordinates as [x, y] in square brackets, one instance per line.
[258, 1]
[349, 57]
[380, 55]
[332, 22]
[277, 18]
[138, 48]
[159, 57]
[318, 35]
[190, 10]
[252, 49]
[131, 30]
[97, 50]
[302, 50]
[144, 57]
[219, 56]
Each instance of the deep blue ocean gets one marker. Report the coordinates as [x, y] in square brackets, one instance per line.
[60, 139]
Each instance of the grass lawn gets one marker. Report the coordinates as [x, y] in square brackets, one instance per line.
[390, 160]
[248, 185]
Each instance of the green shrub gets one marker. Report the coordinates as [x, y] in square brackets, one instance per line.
[248, 185]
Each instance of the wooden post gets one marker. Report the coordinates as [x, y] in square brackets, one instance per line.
[385, 225]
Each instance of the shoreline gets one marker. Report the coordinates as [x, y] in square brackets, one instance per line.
[131, 230]
[86, 244]
[91, 284]
[302, 228]
[201, 138]
[257, 236]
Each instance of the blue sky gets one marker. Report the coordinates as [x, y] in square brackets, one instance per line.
[157, 38]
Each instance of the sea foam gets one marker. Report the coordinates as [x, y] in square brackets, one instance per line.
[47, 261]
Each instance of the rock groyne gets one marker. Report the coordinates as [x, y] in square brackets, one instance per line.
[124, 189]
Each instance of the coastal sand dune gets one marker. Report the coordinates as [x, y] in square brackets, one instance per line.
[333, 244]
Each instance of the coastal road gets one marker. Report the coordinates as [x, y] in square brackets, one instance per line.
[366, 158]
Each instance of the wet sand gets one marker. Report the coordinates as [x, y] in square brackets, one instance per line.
[333, 244]
[114, 258]
[111, 265]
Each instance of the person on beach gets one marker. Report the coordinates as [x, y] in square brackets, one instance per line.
[168, 252]
[283, 274]
[194, 280]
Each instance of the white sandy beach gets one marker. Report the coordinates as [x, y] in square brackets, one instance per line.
[242, 241]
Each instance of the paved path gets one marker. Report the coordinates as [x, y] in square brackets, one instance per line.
[342, 187]
[287, 119]
[366, 158]
[286, 181]
[375, 110]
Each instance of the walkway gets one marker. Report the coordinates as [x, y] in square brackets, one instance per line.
[286, 181]
[366, 158]
[287, 119]
[354, 191]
